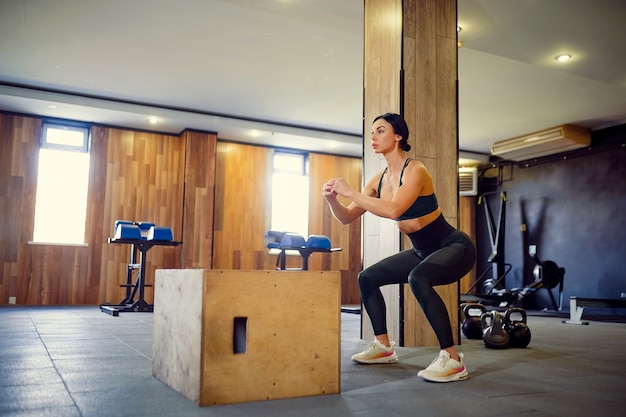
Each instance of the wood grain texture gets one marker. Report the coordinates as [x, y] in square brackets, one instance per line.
[144, 182]
[242, 199]
[467, 224]
[312, 301]
[169, 180]
[198, 200]
[430, 110]
[194, 329]
[381, 77]
[243, 214]
[34, 274]
[427, 54]
[321, 222]
[19, 156]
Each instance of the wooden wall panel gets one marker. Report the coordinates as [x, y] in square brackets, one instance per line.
[19, 155]
[144, 182]
[142, 176]
[321, 221]
[197, 236]
[467, 223]
[242, 199]
[56, 274]
[96, 230]
[243, 214]
[32, 273]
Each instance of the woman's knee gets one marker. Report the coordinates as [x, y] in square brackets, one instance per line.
[420, 284]
[368, 281]
[364, 279]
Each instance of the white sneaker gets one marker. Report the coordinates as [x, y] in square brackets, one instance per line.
[376, 352]
[445, 369]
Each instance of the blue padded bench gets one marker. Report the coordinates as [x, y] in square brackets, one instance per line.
[142, 236]
[293, 241]
[160, 233]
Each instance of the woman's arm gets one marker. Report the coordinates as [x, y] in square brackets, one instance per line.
[346, 214]
[414, 180]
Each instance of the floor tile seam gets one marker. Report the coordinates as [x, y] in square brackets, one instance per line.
[69, 393]
[108, 332]
[123, 342]
[107, 335]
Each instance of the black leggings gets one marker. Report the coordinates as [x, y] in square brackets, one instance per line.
[424, 269]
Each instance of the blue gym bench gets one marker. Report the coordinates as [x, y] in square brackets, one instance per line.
[141, 236]
[294, 242]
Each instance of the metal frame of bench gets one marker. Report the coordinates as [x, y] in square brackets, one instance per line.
[139, 249]
[577, 306]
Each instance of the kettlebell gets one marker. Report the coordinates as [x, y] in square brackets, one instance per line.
[471, 326]
[519, 333]
[494, 335]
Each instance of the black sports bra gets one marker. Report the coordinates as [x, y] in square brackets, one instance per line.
[422, 206]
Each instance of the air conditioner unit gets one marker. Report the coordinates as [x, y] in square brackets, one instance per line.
[468, 181]
[547, 142]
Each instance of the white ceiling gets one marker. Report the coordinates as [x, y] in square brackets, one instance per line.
[288, 73]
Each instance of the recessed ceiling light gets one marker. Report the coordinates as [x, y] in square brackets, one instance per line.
[153, 120]
[52, 106]
[563, 57]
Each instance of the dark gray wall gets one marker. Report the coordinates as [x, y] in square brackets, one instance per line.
[574, 210]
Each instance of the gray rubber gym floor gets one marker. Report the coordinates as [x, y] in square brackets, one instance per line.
[77, 361]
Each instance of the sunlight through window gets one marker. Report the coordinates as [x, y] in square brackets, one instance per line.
[290, 194]
[62, 183]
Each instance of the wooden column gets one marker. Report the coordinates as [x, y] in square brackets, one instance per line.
[410, 68]
[198, 199]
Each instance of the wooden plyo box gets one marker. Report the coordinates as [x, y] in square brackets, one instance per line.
[284, 326]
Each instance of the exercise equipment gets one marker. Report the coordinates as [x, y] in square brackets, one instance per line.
[285, 241]
[141, 236]
[144, 228]
[494, 335]
[499, 268]
[471, 326]
[515, 325]
[160, 233]
[547, 274]
[126, 231]
[492, 287]
[577, 306]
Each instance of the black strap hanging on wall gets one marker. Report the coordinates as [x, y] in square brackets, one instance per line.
[496, 237]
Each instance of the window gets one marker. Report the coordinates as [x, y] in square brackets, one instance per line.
[62, 181]
[290, 193]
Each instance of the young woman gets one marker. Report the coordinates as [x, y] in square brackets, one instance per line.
[441, 255]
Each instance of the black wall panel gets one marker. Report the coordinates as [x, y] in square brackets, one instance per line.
[574, 210]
